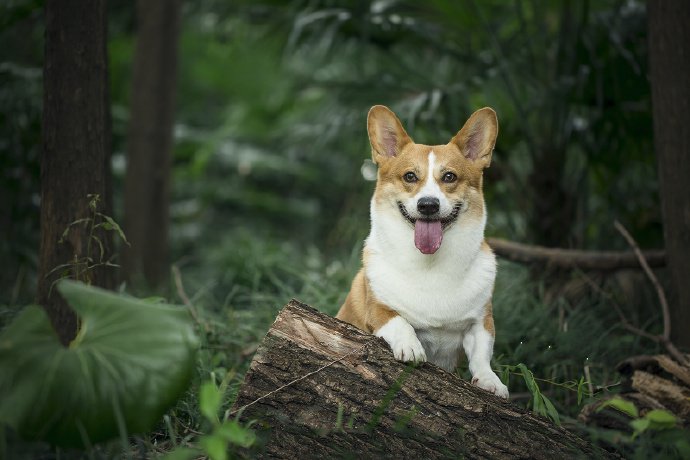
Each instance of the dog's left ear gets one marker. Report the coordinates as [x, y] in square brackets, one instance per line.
[477, 138]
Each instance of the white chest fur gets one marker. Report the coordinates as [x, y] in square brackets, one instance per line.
[440, 295]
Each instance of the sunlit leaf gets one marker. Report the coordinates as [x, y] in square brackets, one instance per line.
[661, 419]
[130, 361]
[621, 405]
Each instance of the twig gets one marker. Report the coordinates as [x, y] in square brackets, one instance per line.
[650, 274]
[298, 379]
[183, 295]
[665, 337]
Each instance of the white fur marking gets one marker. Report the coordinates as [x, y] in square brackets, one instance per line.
[402, 340]
[429, 189]
[479, 345]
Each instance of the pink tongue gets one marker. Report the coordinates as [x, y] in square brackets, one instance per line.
[428, 235]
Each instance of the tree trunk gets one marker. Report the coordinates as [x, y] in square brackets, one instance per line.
[327, 389]
[76, 149]
[669, 61]
[147, 181]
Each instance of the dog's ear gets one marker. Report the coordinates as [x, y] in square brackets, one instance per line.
[386, 134]
[477, 138]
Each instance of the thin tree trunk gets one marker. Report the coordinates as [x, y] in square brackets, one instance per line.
[669, 58]
[147, 181]
[324, 389]
[76, 147]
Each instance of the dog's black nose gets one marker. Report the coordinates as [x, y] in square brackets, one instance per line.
[428, 205]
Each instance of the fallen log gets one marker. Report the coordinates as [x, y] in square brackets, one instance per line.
[574, 258]
[321, 388]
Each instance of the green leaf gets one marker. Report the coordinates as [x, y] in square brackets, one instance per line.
[639, 425]
[529, 379]
[112, 225]
[209, 401]
[661, 419]
[237, 434]
[621, 405]
[551, 411]
[130, 361]
[215, 446]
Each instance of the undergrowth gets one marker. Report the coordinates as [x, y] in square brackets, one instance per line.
[555, 356]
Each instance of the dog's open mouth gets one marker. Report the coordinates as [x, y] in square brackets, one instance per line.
[428, 233]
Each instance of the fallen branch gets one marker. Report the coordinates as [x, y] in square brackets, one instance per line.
[573, 258]
[321, 388]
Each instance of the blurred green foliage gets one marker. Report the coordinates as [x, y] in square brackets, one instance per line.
[129, 363]
[272, 99]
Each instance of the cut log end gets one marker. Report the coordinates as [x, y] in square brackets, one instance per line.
[322, 388]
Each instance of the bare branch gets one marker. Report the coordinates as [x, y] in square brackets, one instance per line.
[183, 295]
[573, 258]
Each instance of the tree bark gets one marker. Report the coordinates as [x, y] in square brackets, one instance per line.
[669, 61]
[573, 258]
[147, 181]
[76, 147]
[327, 389]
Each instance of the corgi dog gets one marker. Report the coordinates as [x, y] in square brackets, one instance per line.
[428, 274]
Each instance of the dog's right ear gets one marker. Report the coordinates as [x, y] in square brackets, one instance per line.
[386, 133]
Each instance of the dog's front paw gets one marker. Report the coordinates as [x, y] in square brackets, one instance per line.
[490, 382]
[403, 340]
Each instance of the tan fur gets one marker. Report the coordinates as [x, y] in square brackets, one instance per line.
[489, 320]
[488, 315]
[361, 308]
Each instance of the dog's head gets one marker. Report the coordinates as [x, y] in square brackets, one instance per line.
[431, 186]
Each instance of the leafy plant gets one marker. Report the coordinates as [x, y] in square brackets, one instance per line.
[540, 403]
[655, 427]
[129, 362]
[225, 433]
[656, 419]
[80, 268]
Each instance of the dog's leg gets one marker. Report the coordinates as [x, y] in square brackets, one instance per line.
[479, 344]
[397, 332]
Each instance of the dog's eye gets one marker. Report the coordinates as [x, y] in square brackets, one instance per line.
[410, 177]
[449, 177]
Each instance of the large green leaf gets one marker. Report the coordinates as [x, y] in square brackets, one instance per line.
[130, 361]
